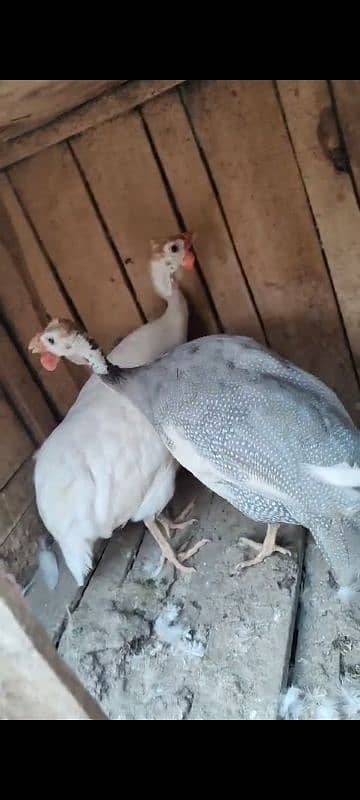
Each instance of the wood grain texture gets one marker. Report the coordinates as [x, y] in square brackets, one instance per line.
[241, 130]
[16, 497]
[15, 444]
[24, 393]
[25, 105]
[17, 305]
[307, 104]
[347, 98]
[48, 297]
[90, 115]
[124, 177]
[55, 197]
[36, 684]
[195, 198]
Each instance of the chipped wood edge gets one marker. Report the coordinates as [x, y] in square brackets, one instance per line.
[11, 596]
[89, 115]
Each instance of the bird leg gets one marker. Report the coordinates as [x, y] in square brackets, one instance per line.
[167, 553]
[264, 550]
[180, 523]
[185, 554]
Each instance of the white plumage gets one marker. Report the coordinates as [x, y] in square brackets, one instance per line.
[104, 464]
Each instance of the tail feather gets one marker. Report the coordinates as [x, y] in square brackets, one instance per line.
[339, 542]
[78, 556]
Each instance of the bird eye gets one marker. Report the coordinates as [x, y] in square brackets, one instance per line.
[174, 248]
[51, 340]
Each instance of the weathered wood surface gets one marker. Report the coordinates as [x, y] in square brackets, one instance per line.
[90, 115]
[209, 646]
[25, 105]
[35, 683]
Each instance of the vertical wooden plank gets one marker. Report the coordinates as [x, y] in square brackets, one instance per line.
[175, 144]
[16, 304]
[53, 192]
[29, 257]
[309, 115]
[240, 126]
[125, 179]
[24, 392]
[347, 97]
[48, 297]
[15, 444]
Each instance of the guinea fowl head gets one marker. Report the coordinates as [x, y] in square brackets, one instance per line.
[61, 339]
[168, 256]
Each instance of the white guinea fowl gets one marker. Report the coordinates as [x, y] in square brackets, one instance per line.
[268, 437]
[104, 464]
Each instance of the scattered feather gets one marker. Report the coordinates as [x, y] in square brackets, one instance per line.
[291, 704]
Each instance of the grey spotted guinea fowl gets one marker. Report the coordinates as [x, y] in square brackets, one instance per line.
[268, 437]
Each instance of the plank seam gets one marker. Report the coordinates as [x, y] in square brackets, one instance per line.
[222, 211]
[179, 217]
[343, 143]
[324, 256]
[106, 231]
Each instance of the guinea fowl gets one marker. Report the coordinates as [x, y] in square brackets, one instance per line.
[104, 464]
[268, 437]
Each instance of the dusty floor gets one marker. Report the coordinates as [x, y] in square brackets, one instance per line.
[206, 646]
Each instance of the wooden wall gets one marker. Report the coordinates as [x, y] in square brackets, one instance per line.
[268, 175]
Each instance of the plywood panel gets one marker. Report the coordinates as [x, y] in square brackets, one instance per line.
[195, 198]
[21, 388]
[16, 303]
[124, 177]
[15, 444]
[53, 192]
[241, 130]
[307, 105]
[25, 105]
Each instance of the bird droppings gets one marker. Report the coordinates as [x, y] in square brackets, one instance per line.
[176, 648]
[328, 647]
[112, 642]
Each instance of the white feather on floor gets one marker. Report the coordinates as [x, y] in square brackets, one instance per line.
[341, 702]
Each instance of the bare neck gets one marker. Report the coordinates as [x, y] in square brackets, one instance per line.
[162, 279]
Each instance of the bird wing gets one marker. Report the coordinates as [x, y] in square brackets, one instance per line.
[257, 421]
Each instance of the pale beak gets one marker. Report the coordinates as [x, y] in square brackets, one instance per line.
[36, 345]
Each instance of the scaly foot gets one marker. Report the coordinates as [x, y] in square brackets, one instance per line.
[265, 550]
